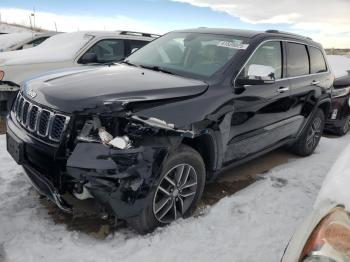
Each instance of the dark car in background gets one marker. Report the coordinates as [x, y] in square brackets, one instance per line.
[339, 117]
[143, 137]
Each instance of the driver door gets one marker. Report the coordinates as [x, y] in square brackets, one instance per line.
[262, 111]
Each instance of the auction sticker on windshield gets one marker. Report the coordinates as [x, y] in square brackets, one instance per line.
[235, 44]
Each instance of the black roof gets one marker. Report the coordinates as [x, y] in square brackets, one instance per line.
[250, 33]
[223, 31]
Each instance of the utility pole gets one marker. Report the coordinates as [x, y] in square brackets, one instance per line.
[34, 16]
[55, 26]
[30, 22]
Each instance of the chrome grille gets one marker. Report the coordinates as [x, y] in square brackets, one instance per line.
[38, 121]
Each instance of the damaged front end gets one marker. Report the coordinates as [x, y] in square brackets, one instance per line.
[116, 159]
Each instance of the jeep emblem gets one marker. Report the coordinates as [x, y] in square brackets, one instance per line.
[31, 93]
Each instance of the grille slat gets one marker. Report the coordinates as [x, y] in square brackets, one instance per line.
[43, 123]
[40, 122]
[25, 113]
[33, 116]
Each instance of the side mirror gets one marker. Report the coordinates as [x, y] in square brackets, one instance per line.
[134, 49]
[257, 75]
[26, 46]
[88, 58]
[342, 82]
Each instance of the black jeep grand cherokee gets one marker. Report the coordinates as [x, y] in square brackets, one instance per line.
[143, 137]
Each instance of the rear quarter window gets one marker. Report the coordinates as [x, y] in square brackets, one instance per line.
[317, 61]
[297, 60]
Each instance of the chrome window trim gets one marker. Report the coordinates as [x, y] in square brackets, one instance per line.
[287, 41]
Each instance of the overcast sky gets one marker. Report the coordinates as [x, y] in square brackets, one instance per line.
[326, 21]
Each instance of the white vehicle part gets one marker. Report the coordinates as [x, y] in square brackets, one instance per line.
[334, 114]
[84, 195]
[104, 135]
[7, 88]
[158, 123]
[121, 142]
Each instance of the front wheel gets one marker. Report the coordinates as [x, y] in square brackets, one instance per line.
[311, 135]
[178, 190]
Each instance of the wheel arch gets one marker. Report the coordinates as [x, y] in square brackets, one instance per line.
[325, 105]
[205, 145]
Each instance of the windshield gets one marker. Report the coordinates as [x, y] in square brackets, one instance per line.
[189, 53]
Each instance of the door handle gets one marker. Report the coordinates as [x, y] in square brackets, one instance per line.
[283, 89]
[315, 82]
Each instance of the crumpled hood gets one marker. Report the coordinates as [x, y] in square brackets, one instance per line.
[76, 90]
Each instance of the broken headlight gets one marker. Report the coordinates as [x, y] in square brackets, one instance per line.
[93, 131]
[330, 240]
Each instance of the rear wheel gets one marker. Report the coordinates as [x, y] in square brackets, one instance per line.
[310, 137]
[177, 192]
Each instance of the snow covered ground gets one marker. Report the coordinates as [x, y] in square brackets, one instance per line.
[254, 224]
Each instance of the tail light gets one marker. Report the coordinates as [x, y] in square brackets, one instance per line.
[330, 241]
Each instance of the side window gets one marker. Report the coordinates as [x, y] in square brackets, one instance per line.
[297, 60]
[33, 43]
[136, 44]
[38, 41]
[108, 50]
[266, 63]
[317, 61]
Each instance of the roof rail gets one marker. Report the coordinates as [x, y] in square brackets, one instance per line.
[273, 31]
[139, 34]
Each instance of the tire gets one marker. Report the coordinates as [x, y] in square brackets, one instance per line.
[311, 135]
[190, 162]
[341, 131]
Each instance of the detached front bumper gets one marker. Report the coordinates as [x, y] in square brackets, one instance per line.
[46, 188]
[119, 180]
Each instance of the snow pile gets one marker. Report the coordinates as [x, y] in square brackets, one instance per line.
[255, 224]
[339, 64]
[60, 47]
[335, 188]
[7, 28]
[8, 40]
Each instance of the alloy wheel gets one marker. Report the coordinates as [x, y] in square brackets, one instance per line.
[175, 193]
[346, 125]
[314, 133]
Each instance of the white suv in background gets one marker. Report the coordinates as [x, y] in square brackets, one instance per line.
[62, 51]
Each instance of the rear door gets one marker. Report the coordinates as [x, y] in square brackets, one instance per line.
[307, 69]
[261, 112]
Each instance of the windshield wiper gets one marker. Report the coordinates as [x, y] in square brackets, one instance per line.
[129, 63]
[158, 69]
